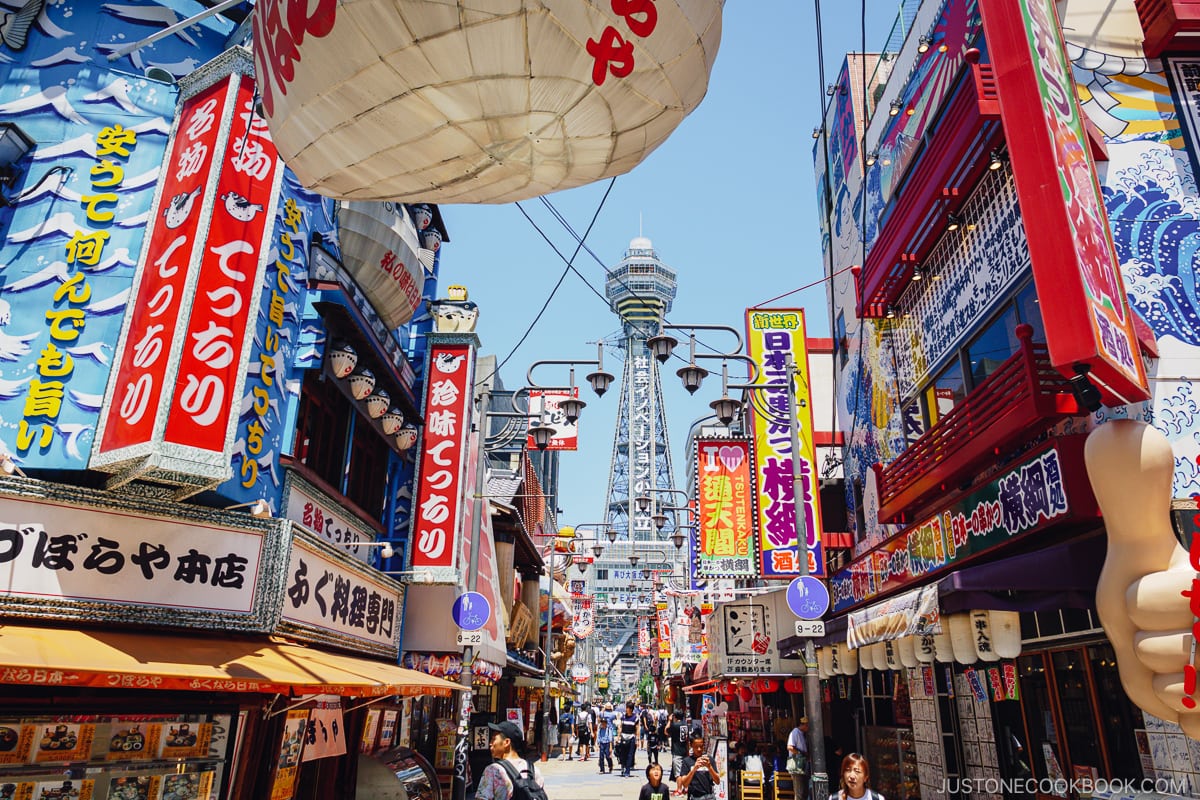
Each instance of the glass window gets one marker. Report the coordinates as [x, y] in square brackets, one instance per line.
[1075, 702]
[992, 348]
[1043, 747]
[1029, 311]
[1117, 719]
[947, 390]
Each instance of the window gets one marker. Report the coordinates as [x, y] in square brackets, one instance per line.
[601, 574]
[860, 514]
[328, 427]
[947, 390]
[994, 345]
[1029, 311]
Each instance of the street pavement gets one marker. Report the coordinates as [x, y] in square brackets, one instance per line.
[581, 780]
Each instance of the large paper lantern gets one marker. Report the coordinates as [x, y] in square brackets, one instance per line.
[961, 641]
[1006, 633]
[479, 101]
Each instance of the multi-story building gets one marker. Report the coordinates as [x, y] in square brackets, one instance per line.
[1007, 200]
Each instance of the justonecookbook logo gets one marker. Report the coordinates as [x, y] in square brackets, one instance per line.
[1062, 787]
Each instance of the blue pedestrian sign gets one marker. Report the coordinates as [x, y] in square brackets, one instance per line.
[807, 597]
[471, 611]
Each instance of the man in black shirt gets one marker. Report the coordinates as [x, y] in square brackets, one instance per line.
[679, 736]
[700, 773]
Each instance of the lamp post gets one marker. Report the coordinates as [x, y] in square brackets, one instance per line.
[726, 409]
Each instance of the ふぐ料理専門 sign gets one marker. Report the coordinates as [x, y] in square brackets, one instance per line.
[1048, 487]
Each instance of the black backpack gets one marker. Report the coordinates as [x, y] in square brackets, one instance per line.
[524, 785]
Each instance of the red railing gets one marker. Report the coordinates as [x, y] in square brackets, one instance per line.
[1024, 396]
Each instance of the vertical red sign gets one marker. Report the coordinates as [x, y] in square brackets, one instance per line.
[153, 333]
[1070, 244]
[448, 400]
[213, 349]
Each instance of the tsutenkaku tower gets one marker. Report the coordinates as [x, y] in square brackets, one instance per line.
[640, 290]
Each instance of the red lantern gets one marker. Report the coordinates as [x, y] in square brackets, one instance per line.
[768, 685]
[746, 693]
[729, 697]
[794, 685]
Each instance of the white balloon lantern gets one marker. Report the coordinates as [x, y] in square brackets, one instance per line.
[943, 650]
[479, 101]
[1006, 633]
[342, 360]
[865, 656]
[981, 632]
[849, 662]
[377, 404]
[361, 384]
[823, 662]
[906, 646]
[406, 438]
[882, 655]
[392, 421]
[925, 648]
[961, 640]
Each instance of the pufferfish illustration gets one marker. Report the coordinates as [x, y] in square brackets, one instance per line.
[239, 207]
[448, 363]
[180, 207]
[15, 25]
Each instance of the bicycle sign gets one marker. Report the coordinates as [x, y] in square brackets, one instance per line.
[471, 611]
[807, 597]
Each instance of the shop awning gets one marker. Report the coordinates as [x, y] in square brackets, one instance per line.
[122, 660]
[1060, 576]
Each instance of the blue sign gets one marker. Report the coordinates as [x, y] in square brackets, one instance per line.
[807, 597]
[472, 611]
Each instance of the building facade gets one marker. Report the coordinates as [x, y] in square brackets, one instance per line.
[1006, 204]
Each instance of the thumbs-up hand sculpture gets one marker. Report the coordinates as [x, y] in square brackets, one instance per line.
[1144, 589]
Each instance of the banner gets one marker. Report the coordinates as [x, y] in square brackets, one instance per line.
[566, 434]
[447, 412]
[585, 620]
[326, 729]
[913, 613]
[770, 337]
[643, 636]
[725, 500]
[663, 616]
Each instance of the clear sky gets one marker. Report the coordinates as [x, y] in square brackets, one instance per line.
[728, 201]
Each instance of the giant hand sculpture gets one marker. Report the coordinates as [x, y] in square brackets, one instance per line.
[1143, 592]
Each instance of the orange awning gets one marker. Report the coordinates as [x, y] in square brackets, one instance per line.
[122, 660]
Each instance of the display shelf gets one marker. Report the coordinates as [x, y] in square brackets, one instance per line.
[893, 758]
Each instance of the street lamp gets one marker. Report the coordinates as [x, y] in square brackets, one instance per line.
[726, 409]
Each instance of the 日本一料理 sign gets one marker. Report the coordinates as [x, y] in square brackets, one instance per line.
[725, 509]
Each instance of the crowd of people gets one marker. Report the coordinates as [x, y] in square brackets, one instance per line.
[619, 734]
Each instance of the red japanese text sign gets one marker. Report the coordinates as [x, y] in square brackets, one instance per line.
[448, 401]
[725, 501]
[211, 368]
[1070, 243]
[153, 334]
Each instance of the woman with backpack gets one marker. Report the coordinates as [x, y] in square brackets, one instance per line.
[856, 774]
[509, 777]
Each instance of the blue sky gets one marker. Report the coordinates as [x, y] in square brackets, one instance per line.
[728, 201]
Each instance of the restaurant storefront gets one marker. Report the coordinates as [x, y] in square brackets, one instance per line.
[153, 646]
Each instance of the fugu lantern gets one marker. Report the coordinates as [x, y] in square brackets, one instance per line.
[459, 103]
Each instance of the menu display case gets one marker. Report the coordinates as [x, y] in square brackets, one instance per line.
[397, 774]
[114, 757]
[893, 759]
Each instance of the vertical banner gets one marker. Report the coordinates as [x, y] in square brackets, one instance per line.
[643, 636]
[546, 403]
[725, 500]
[1074, 261]
[217, 341]
[184, 351]
[291, 745]
[663, 616]
[153, 334]
[448, 401]
[326, 729]
[642, 439]
[770, 335]
[585, 620]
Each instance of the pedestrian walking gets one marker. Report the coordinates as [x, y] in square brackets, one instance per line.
[566, 722]
[653, 735]
[629, 726]
[585, 730]
[855, 780]
[497, 780]
[701, 774]
[606, 731]
[679, 735]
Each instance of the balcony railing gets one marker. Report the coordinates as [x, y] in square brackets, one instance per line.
[1023, 397]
